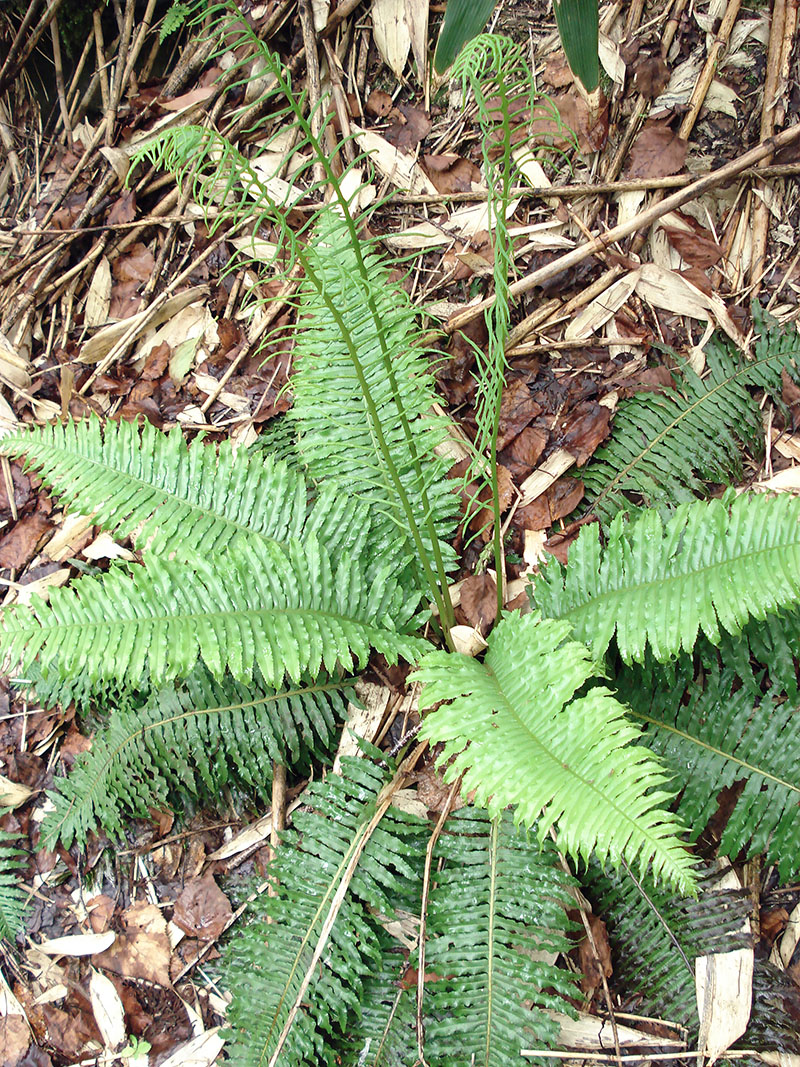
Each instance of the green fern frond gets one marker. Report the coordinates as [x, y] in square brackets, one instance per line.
[711, 568]
[13, 898]
[496, 913]
[286, 610]
[187, 744]
[338, 431]
[667, 446]
[656, 936]
[720, 731]
[518, 734]
[174, 19]
[265, 967]
[133, 478]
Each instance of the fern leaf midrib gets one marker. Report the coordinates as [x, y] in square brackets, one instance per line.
[748, 368]
[167, 495]
[660, 583]
[490, 936]
[324, 687]
[588, 783]
[752, 768]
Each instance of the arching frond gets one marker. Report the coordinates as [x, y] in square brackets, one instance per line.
[13, 898]
[288, 611]
[667, 446]
[186, 744]
[711, 568]
[516, 731]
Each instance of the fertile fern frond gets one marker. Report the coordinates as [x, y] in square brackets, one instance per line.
[711, 568]
[518, 734]
[188, 744]
[360, 426]
[13, 898]
[496, 914]
[175, 498]
[285, 609]
[667, 446]
[720, 730]
[655, 936]
[266, 967]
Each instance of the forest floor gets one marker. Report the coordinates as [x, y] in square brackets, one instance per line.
[115, 299]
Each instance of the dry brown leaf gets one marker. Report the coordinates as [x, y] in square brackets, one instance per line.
[451, 173]
[378, 104]
[478, 603]
[143, 949]
[650, 76]
[594, 966]
[699, 248]
[585, 428]
[657, 153]
[202, 910]
[411, 126]
[186, 100]
[517, 409]
[15, 1037]
[22, 542]
[123, 209]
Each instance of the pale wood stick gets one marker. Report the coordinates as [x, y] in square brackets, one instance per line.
[640, 221]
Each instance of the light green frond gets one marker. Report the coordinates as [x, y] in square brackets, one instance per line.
[496, 922]
[184, 499]
[725, 733]
[187, 744]
[516, 731]
[711, 568]
[667, 446]
[13, 898]
[266, 965]
[286, 610]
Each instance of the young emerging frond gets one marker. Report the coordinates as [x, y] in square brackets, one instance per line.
[13, 898]
[514, 728]
[184, 499]
[187, 744]
[285, 609]
[656, 936]
[711, 568]
[726, 733]
[266, 967]
[667, 446]
[348, 405]
[496, 922]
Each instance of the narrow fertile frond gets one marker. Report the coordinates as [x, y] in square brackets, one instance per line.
[496, 922]
[723, 733]
[666, 446]
[341, 358]
[518, 734]
[13, 898]
[184, 499]
[286, 610]
[711, 568]
[265, 967]
[656, 936]
[187, 744]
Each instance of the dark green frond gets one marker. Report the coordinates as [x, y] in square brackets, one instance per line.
[711, 568]
[516, 731]
[266, 966]
[338, 431]
[286, 610]
[667, 446]
[187, 744]
[495, 916]
[715, 729]
[655, 937]
[184, 499]
[13, 898]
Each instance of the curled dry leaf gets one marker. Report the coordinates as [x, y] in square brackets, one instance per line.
[202, 910]
[451, 173]
[657, 153]
[478, 603]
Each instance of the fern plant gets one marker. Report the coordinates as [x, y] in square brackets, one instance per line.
[267, 582]
[13, 898]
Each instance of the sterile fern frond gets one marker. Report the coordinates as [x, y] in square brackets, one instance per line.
[13, 898]
[711, 568]
[359, 426]
[266, 966]
[715, 728]
[655, 936]
[187, 744]
[667, 446]
[496, 922]
[175, 498]
[285, 609]
[516, 731]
